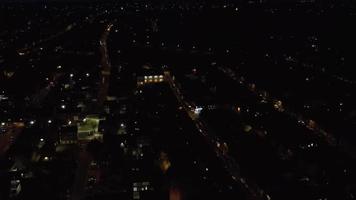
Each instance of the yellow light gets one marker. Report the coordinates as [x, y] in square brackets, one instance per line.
[238, 109]
[165, 164]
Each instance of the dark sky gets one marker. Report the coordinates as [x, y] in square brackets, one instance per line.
[149, 0]
[336, 2]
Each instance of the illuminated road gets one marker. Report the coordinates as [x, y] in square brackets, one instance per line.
[39, 97]
[105, 65]
[8, 138]
[215, 143]
[38, 45]
[314, 127]
[84, 159]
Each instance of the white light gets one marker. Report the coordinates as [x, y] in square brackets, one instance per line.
[206, 169]
[2, 123]
[41, 139]
[63, 106]
[59, 67]
[71, 75]
[49, 121]
[69, 122]
[32, 122]
[87, 74]
[197, 110]
[46, 158]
